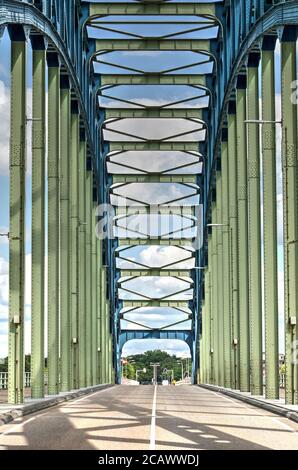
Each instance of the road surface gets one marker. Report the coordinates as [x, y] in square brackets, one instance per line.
[156, 418]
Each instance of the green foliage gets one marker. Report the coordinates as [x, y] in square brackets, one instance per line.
[141, 361]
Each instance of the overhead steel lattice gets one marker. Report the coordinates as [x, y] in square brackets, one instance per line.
[153, 59]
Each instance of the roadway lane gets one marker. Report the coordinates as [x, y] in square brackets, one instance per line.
[128, 417]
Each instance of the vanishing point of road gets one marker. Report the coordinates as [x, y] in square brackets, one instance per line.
[147, 417]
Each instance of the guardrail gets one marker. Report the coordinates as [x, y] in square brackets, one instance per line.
[27, 382]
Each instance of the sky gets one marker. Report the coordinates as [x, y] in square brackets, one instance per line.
[149, 287]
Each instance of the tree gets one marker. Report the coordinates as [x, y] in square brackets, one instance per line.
[142, 361]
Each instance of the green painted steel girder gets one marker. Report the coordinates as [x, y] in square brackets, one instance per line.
[17, 165]
[254, 230]
[234, 247]
[155, 241]
[153, 113]
[121, 146]
[38, 222]
[219, 262]
[84, 270]
[226, 269]
[270, 227]
[153, 79]
[152, 45]
[244, 342]
[214, 301]
[94, 299]
[97, 9]
[290, 197]
[74, 223]
[53, 226]
[192, 179]
[65, 238]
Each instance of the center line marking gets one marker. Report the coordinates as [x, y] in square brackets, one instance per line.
[153, 421]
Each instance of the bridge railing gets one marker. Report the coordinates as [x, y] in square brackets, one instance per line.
[27, 382]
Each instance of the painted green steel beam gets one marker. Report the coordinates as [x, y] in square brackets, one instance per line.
[126, 178]
[153, 113]
[153, 79]
[211, 308]
[121, 146]
[290, 198]
[89, 275]
[99, 311]
[220, 311]
[234, 247]
[254, 226]
[38, 221]
[73, 241]
[208, 326]
[94, 339]
[53, 221]
[270, 221]
[226, 265]
[83, 268]
[17, 165]
[103, 335]
[214, 302]
[120, 8]
[65, 262]
[94, 329]
[153, 45]
[244, 341]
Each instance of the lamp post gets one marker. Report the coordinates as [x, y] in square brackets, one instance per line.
[155, 365]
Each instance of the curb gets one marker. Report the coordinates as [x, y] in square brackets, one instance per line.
[277, 409]
[26, 409]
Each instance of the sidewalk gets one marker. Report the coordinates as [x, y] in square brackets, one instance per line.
[274, 406]
[10, 412]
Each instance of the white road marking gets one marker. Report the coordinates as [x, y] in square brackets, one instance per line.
[153, 421]
[275, 418]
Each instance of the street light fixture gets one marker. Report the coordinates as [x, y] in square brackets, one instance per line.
[155, 365]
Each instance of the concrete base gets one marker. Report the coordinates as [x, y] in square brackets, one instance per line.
[274, 406]
[10, 412]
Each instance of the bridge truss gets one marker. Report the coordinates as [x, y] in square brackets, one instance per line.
[153, 125]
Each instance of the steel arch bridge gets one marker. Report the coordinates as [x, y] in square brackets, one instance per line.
[154, 148]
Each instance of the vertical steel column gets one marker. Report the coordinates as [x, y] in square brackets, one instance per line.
[254, 226]
[243, 236]
[98, 309]
[202, 345]
[270, 219]
[214, 296]
[89, 184]
[290, 197]
[211, 307]
[233, 242]
[94, 363]
[38, 217]
[74, 223]
[226, 262]
[103, 335]
[83, 267]
[53, 221]
[220, 312]
[207, 330]
[65, 253]
[17, 165]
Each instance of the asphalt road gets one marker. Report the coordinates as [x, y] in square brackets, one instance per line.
[145, 417]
